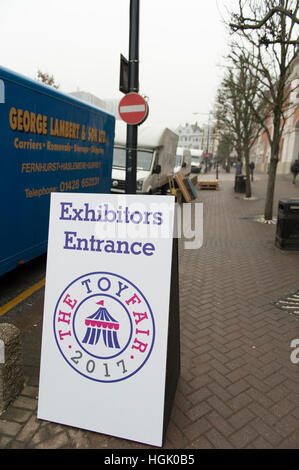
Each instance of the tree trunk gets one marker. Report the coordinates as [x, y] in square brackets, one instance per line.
[248, 182]
[270, 188]
[273, 164]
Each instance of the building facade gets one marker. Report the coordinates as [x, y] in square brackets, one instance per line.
[289, 144]
[191, 136]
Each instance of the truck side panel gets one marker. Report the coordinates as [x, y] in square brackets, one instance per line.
[49, 142]
[167, 155]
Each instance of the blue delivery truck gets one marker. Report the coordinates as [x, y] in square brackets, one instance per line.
[49, 142]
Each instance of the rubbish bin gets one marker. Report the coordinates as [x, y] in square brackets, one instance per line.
[240, 184]
[287, 228]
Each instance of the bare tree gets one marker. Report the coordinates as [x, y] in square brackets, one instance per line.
[46, 78]
[235, 98]
[243, 23]
[225, 147]
[271, 40]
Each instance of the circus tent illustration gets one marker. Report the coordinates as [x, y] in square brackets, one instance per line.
[101, 323]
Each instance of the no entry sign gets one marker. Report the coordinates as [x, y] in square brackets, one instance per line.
[133, 109]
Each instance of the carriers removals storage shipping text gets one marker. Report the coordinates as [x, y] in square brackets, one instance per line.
[49, 142]
[156, 156]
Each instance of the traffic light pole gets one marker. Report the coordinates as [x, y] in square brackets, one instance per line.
[132, 130]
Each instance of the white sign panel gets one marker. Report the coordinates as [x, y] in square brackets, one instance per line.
[105, 326]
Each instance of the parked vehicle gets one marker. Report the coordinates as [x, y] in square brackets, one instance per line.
[49, 142]
[196, 156]
[156, 155]
[183, 161]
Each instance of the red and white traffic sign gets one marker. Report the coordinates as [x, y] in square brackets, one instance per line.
[133, 109]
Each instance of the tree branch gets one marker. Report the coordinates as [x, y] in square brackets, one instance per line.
[263, 21]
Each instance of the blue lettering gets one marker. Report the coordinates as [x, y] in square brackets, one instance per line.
[157, 218]
[68, 240]
[133, 250]
[77, 214]
[100, 284]
[65, 210]
[72, 242]
[86, 285]
[109, 212]
[121, 288]
[139, 217]
[148, 249]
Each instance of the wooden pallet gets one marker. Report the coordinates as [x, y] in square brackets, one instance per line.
[179, 178]
[208, 184]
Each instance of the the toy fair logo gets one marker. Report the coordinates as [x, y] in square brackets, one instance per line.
[104, 327]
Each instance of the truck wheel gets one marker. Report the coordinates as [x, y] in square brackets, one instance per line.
[164, 189]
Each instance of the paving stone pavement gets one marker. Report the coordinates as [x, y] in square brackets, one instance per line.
[238, 387]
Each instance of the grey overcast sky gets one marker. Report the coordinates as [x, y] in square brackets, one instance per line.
[181, 47]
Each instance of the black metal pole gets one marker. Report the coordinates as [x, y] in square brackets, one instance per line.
[132, 130]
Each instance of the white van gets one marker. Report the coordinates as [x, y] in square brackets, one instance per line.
[156, 155]
[196, 160]
[183, 161]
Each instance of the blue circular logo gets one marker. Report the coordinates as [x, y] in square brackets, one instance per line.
[104, 327]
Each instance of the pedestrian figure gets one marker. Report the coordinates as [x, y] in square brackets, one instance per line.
[295, 169]
[251, 167]
[238, 167]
